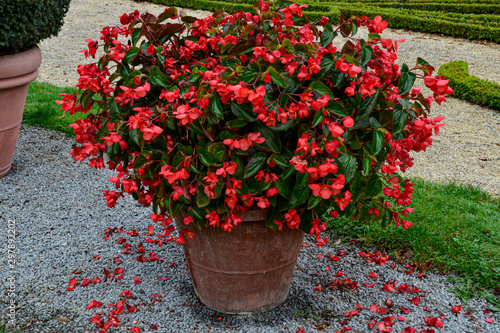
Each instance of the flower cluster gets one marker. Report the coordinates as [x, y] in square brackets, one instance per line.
[219, 115]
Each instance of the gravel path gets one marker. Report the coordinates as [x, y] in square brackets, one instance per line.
[60, 218]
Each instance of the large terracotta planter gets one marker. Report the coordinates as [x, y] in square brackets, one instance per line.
[247, 270]
[16, 72]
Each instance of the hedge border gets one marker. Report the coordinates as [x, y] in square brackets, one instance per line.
[470, 88]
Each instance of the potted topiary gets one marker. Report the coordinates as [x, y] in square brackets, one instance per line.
[23, 25]
[247, 129]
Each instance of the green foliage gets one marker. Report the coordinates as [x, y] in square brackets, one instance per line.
[470, 88]
[456, 227]
[24, 23]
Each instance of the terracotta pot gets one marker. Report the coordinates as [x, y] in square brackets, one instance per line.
[16, 72]
[247, 270]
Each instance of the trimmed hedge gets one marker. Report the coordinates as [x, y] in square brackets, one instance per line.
[470, 88]
[444, 7]
[314, 12]
[432, 22]
[24, 23]
[412, 20]
[413, 1]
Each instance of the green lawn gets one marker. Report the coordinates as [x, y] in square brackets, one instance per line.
[456, 227]
[41, 110]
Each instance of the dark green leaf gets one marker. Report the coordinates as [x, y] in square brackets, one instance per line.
[273, 139]
[328, 35]
[313, 202]
[406, 82]
[374, 186]
[251, 72]
[273, 214]
[131, 53]
[215, 106]
[276, 77]
[400, 117]
[254, 165]
[243, 111]
[321, 89]
[283, 188]
[366, 55]
[349, 166]
[201, 198]
[300, 194]
[136, 34]
[378, 141]
[368, 105]
[288, 172]
[318, 118]
[367, 163]
[337, 109]
[386, 220]
[158, 78]
[279, 160]
[237, 123]
[218, 151]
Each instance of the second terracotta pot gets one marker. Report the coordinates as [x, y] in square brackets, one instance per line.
[16, 72]
[247, 270]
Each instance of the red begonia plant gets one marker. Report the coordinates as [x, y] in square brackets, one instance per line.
[217, 115]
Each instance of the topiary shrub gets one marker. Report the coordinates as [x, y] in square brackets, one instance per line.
[470, 88]
[24, 23]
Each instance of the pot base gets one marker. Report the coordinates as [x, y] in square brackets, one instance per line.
[245, 271]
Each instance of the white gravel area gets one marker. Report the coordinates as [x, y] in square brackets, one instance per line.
[60, 219]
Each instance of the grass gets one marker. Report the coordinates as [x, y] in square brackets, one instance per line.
[456, 228]
[41, 110]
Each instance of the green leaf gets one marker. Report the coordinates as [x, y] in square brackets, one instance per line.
[406, 82]
[237, 123]
[201, 198]
[251, 72]
[215, 106]
[218, 151]
[158, 78]
[302, 178]
[366, 55]
[327, 35]
[283, 188]
[206, 158]
[378, 141]
[313, 202]
[321, 89]
[349, 166]
[243, 111]
[279, 160]
[288, 172]
[337, 109]
[374, 186]
[131, 53]
[273, 214]
[273, 139]
[276, 77]
[400, 117]
[318, 118]
[367, 163]
[326, 64]
[300, 194]
[386, 220]
[136, 34]
[254, 165]
[368, 105]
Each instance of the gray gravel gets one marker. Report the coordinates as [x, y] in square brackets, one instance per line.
[60, 220]
[61, 217]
